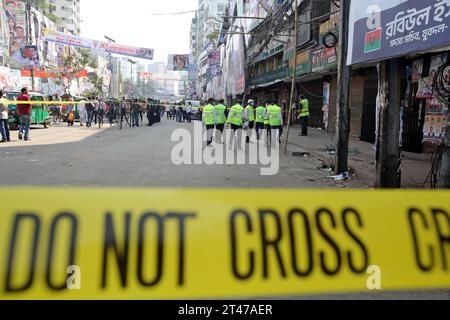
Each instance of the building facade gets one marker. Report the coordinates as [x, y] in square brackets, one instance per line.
[68, 13]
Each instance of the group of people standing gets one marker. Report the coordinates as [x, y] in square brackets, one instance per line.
[266, 118]
[180, 114]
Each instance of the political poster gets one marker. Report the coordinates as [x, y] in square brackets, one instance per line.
[214, 58]
[178, 62]
[27, 57]
[16, 18]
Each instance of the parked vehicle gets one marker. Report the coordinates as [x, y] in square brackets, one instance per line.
[39, 112]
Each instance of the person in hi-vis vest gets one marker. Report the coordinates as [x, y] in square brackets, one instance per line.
[209, 120]
[303, 115]
[250, 118]
[275, 116]
[259, 119]
[221, 118]
[236, 121]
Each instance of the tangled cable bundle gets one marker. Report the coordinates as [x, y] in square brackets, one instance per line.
[441, 88]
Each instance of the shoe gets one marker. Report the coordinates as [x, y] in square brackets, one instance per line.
[2, 141]
[8, 140]
[27, 140]
[20, 136]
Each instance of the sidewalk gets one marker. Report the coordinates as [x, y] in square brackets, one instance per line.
[415, 167]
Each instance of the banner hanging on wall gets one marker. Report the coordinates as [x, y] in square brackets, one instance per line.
[71, 40]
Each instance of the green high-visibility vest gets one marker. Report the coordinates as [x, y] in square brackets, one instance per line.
[220, 112]
[266, 118]
[274, 115]
[260, 112]
[305, 108]
[208, 115]
[250, 113]
[235, 116]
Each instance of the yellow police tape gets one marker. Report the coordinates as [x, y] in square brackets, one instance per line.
[172, 244]
[41, 102]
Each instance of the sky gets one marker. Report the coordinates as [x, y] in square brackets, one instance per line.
[129, 22]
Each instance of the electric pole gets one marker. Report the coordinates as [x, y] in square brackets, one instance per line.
[343, 96]
[388, 144]
[294, 75]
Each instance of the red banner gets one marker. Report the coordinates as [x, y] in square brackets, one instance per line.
[38, 73]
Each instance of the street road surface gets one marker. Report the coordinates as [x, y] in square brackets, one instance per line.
[138, 157]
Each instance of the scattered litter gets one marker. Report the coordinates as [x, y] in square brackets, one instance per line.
[301, 154]
[340, 177]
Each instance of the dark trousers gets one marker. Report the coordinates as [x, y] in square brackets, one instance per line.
[219, 131]
[4, 129]
[280, 130]
[90, 116]
[259, 127]
[150, 119]
[235, 129]
[209, 134]
[189, 117]
[304, 124]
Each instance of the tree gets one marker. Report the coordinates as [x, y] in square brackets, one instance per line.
[74, 63]
[97, 83]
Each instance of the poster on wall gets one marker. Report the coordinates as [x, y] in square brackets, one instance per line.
[178, 62]
[381, 29]
[324, 59]
[425, 90]
[214, 58]
[434, 128]
[26, 57]
[16, 16]
[6, 81]
[4, 32]
[47, 50]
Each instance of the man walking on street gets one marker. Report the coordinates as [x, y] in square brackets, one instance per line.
[236, 120]
[4, 125]
[260, 115]
[209, 120]
[90, 112]
[304, 115]
[276, 121]
[82, 112]
[24, 111]
[221, 119]
[135, 114]
[189, 112]
[250, 118]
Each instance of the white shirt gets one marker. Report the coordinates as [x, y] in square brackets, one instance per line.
[3, 109]
[82, 106]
